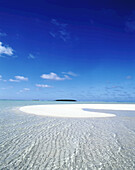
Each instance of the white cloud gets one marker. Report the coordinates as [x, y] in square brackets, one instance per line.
[31, 56]
[5, 50]
[70, 73]
[53, 76]
[18, 79]
[0, 77]
[21, 78]
[43, 85]
[13, 80]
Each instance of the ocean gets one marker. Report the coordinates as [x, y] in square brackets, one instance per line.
[32, 142]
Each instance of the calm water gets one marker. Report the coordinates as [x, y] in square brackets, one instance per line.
[30, 142]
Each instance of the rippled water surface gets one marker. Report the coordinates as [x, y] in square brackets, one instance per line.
[30, 142]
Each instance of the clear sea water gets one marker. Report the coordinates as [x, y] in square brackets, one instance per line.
[31, 142]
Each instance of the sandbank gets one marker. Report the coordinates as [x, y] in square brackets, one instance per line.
[75, 110]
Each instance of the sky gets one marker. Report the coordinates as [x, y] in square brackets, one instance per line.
[83, 50]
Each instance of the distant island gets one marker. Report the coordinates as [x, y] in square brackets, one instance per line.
[66, 100]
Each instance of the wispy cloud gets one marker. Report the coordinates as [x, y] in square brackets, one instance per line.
[6, 88]
[117, 87]
[130, 26]
[130, 23]
[31, 56]
[54, 76]
[20, 91]
[5, 50]
[21, 78]
[0, 77]
[129, 77]
[3, 88]
[23, 90]
[64, 35]
[114, 88]
[4, 80]
[43, 85]
[3, 34]
[52, 34]
[60, 30]
[55, 22]
[67, 77]
[70, 73]
[26, 89]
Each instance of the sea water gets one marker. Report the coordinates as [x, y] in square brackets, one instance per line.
[31, 142]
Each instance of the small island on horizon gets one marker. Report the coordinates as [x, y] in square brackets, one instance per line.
[66, 100]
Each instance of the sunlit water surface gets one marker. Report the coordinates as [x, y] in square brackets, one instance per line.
[45, 143]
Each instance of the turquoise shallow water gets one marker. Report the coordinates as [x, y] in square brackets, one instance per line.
[36, 142]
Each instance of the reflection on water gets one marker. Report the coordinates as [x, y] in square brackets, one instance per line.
[36, 142]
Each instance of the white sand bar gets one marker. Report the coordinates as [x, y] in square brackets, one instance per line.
[75, 110]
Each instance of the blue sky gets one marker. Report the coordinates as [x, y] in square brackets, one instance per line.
[82, 50]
